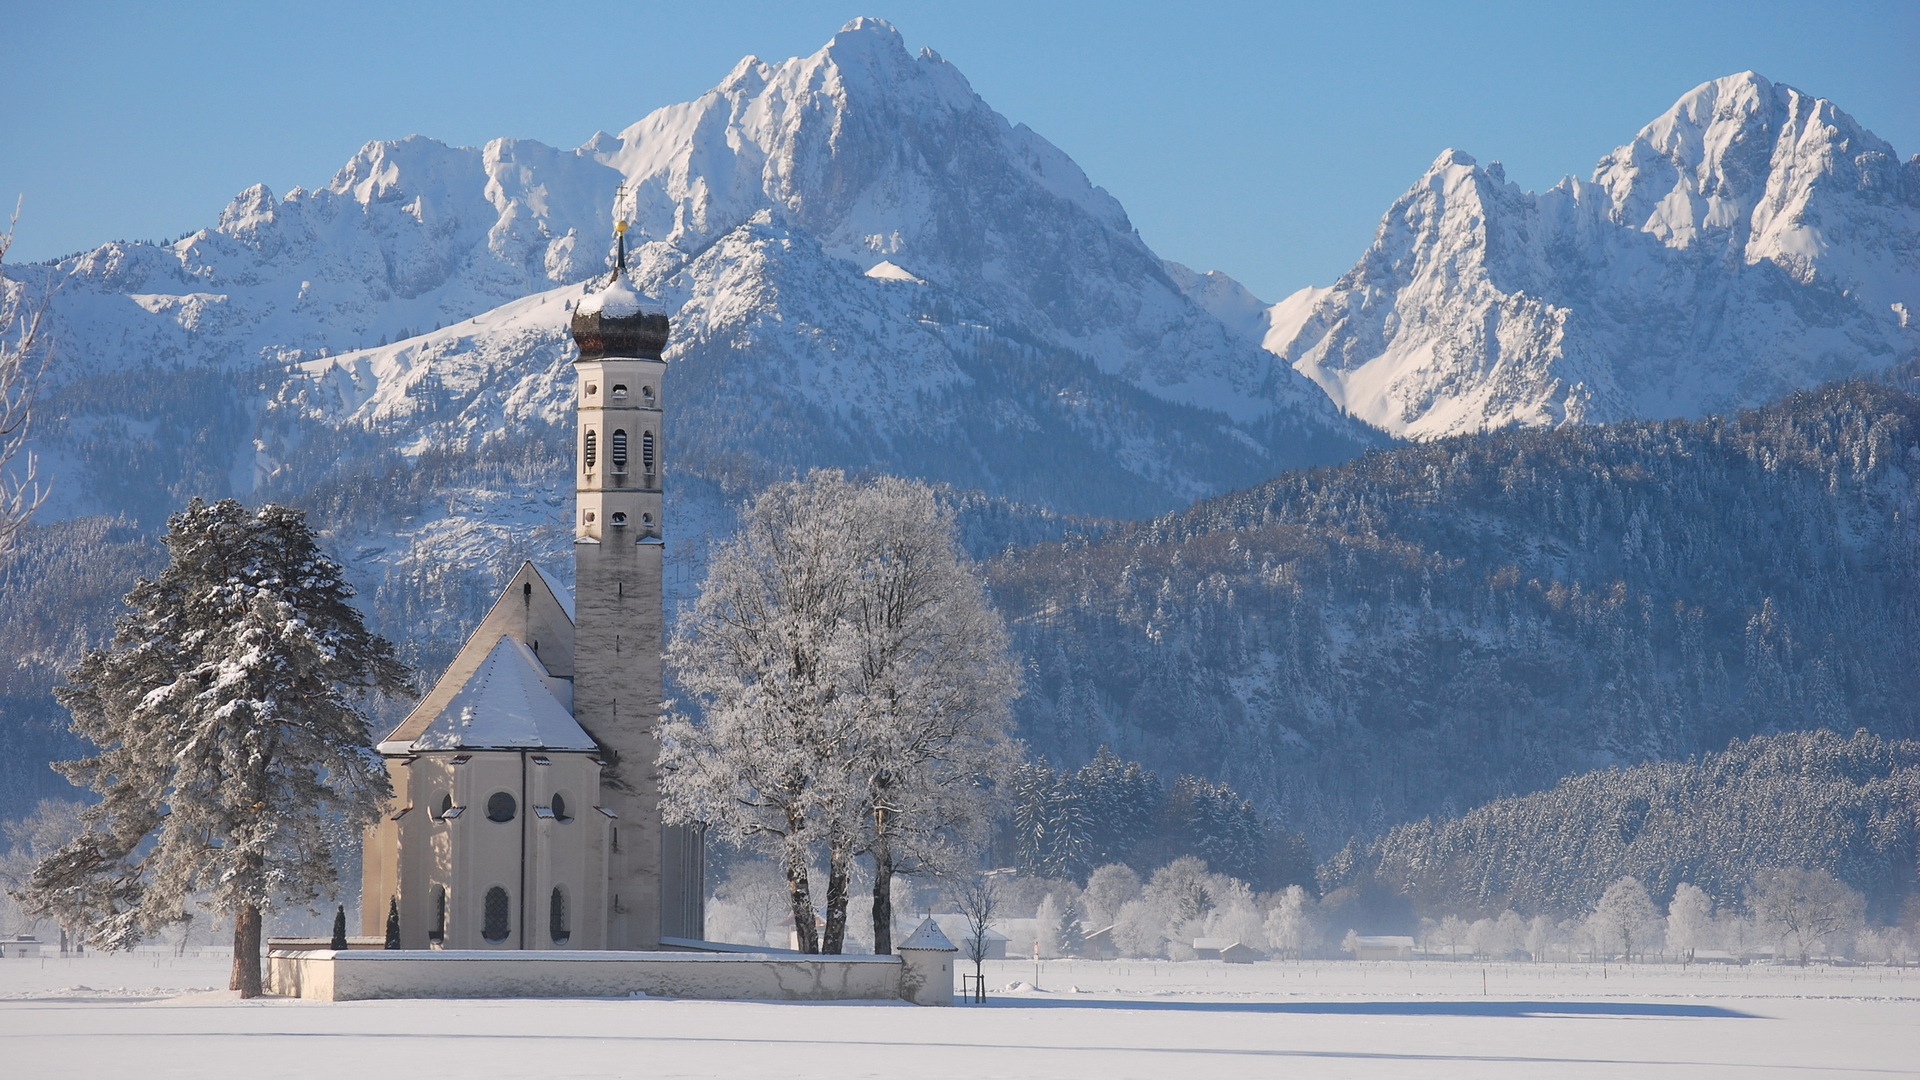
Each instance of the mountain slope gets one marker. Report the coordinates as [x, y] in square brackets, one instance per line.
[1432, 626]
[1751, 241]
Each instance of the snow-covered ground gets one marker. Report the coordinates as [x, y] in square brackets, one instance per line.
[153, 1016]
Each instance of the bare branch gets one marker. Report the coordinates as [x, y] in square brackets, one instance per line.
[21, 491]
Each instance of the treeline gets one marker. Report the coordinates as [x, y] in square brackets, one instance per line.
[1433, 626]
[1066, 822]
[1816, 801]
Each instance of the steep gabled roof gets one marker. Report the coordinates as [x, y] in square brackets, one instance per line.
[531, 610]
[508, 703]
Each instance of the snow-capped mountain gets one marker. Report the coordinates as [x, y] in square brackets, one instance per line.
[1751, 241]
[868, 265]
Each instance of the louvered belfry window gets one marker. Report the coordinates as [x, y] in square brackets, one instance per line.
[495, 924]
[620, 451]
[646, 451]
[593, 448]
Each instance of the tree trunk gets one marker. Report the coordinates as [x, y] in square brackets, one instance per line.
[835, 939]
[882, 889]
[246, 951]
[801, 899]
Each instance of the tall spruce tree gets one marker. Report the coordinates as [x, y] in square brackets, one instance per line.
[234, 748]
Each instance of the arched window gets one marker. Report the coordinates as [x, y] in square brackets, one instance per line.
[619, 391]
[619, 451]
[619, 519]
[495, 922]
[557, 917]
[593, 449]
[437, 931]
[646, 451]
[501, 807]
[560, 807]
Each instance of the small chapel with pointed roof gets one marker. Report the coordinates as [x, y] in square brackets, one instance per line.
[526, 792]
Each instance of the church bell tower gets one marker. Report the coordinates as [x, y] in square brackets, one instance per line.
[654, 874]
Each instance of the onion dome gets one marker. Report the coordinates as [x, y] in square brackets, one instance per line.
[616, 320]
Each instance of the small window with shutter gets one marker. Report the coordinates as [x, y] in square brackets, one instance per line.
[619, 453]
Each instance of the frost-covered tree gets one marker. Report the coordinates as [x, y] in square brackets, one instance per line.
[1286, 924]
[1804, 909]
[1689, 921]
[1625, 919]
[1140, 930]
[1539, 937]
[234, 756]
[1108, 889]
[853, 688]
[20, 493]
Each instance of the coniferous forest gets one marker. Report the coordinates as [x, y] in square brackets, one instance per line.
[1433, 626]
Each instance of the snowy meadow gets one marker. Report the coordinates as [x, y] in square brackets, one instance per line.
[153, 1015]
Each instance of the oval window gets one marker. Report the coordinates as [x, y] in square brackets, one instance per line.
[496, 922]
[446, 804]
[501, 806]
[560, 807]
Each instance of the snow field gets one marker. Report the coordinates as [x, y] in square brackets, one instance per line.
[154, 1016]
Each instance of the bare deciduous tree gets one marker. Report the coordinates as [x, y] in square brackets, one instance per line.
[853, 686]
[20, 490]
[1804, 909]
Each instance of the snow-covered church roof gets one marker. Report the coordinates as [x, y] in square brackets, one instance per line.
[508, 703]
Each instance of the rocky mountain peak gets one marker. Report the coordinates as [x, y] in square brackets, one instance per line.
[1751, 240]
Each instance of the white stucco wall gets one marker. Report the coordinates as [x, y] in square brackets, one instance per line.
[355, 976]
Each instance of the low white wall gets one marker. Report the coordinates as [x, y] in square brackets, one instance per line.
[356, 975]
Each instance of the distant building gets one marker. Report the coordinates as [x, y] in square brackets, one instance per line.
[959, 931]
[1208, 948]
[1098, 944]
[20, 947]
[1238, 953]
[1383, 947]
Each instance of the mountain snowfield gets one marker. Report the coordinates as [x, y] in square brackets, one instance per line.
[1751, 241]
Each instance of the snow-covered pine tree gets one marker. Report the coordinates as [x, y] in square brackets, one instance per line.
[233, 741]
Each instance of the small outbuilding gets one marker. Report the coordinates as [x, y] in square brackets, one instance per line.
[1383, 947]
[959, 931]
[20, 946]
[1240, 953]
[1098, 944]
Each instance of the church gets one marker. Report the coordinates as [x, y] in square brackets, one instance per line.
[526, 811]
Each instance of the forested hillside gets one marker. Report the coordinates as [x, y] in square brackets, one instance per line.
[1807, 799]
[1436, 625]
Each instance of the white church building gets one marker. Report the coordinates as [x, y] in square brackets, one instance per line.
[526, 791]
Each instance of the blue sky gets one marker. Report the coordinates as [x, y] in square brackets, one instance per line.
[1260, 139]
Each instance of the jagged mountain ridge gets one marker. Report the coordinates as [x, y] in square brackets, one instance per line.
[868, 268]
[1435, 625]
[1751, 241]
